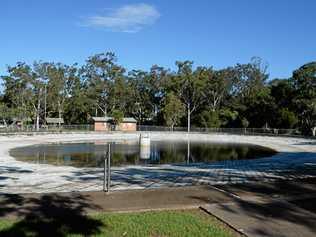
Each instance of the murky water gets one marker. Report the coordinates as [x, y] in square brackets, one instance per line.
[91, 154]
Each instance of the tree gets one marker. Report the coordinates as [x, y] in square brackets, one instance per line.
[305, 96]
[287, 119]
[238, 96]
[78, 108]
[147, 93]
[210, 119]
[98, 73]
[140, 103]
[260, 109]
[23, 91]
[249, 78]
[250, 95]
[283, 91]
[59, 85]
[119, 93]
[189, 87]
[217, 85]
[117, 116]
[173, 110]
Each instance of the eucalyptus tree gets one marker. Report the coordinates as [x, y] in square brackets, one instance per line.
[140, 103]
[37, 84]
[305, 98]
[119, 93]
[283, 92]
[5, 113]
[250, 93]
[98, 73]
[189, 87]
[156, 83]
[23, 91]
[217, 85]
[15, 87]
[59, 87]
[78, 105]
[173, 110]
[249, 78]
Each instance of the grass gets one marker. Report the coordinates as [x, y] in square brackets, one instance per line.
[153, 224]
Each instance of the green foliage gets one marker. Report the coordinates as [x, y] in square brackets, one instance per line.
[210, 119]
[173, 110]
[117, 116]
[238, 96]
[287, 119]
[260, 109]
[228, 117]
[305, 96]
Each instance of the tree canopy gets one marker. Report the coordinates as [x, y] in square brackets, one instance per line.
[241, 95]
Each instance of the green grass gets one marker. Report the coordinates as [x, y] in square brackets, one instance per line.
[154, 224]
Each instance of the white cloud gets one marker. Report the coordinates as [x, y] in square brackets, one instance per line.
[129, 18]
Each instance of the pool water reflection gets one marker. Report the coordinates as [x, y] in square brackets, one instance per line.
[91, 154]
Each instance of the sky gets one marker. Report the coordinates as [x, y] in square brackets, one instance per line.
[142, 33]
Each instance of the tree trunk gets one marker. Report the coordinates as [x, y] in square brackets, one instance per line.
[38, 113]
[105, 112]
[59, 113]
[189, 118]
[59, 116]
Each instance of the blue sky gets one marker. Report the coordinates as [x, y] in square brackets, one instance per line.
[218, 33]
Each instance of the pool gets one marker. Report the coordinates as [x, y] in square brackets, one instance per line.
[92, 153]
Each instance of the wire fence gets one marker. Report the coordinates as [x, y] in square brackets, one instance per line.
[47, 128]
[243, 131]
[90, 127]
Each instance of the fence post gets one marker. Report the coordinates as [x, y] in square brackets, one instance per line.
[109, 168]
[104, 171]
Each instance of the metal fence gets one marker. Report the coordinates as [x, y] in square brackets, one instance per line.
[90, 127]
[47, 128]
[243, 131]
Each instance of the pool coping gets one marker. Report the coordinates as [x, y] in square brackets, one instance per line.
[22, 177]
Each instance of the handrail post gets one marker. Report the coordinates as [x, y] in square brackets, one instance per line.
[107, 170]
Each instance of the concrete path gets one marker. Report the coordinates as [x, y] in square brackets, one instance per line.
[279, 209]
[22, 205]
[296, 159]
[272, 219]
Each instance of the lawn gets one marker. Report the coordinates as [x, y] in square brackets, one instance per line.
[158, 223]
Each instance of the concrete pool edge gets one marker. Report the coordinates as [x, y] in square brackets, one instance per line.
[21, 177]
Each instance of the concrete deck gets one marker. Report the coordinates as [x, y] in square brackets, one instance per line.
[278, 209]
[296, 159]
[21, 205]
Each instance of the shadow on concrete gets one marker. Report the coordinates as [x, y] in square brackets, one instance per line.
[273, 189]
[8, 169]
[310, 141]
[49, 215]
[278, 206]
[307, 204]
[8, 173]
[283, 166]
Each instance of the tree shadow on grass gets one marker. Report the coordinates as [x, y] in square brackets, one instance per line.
[48, 215]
